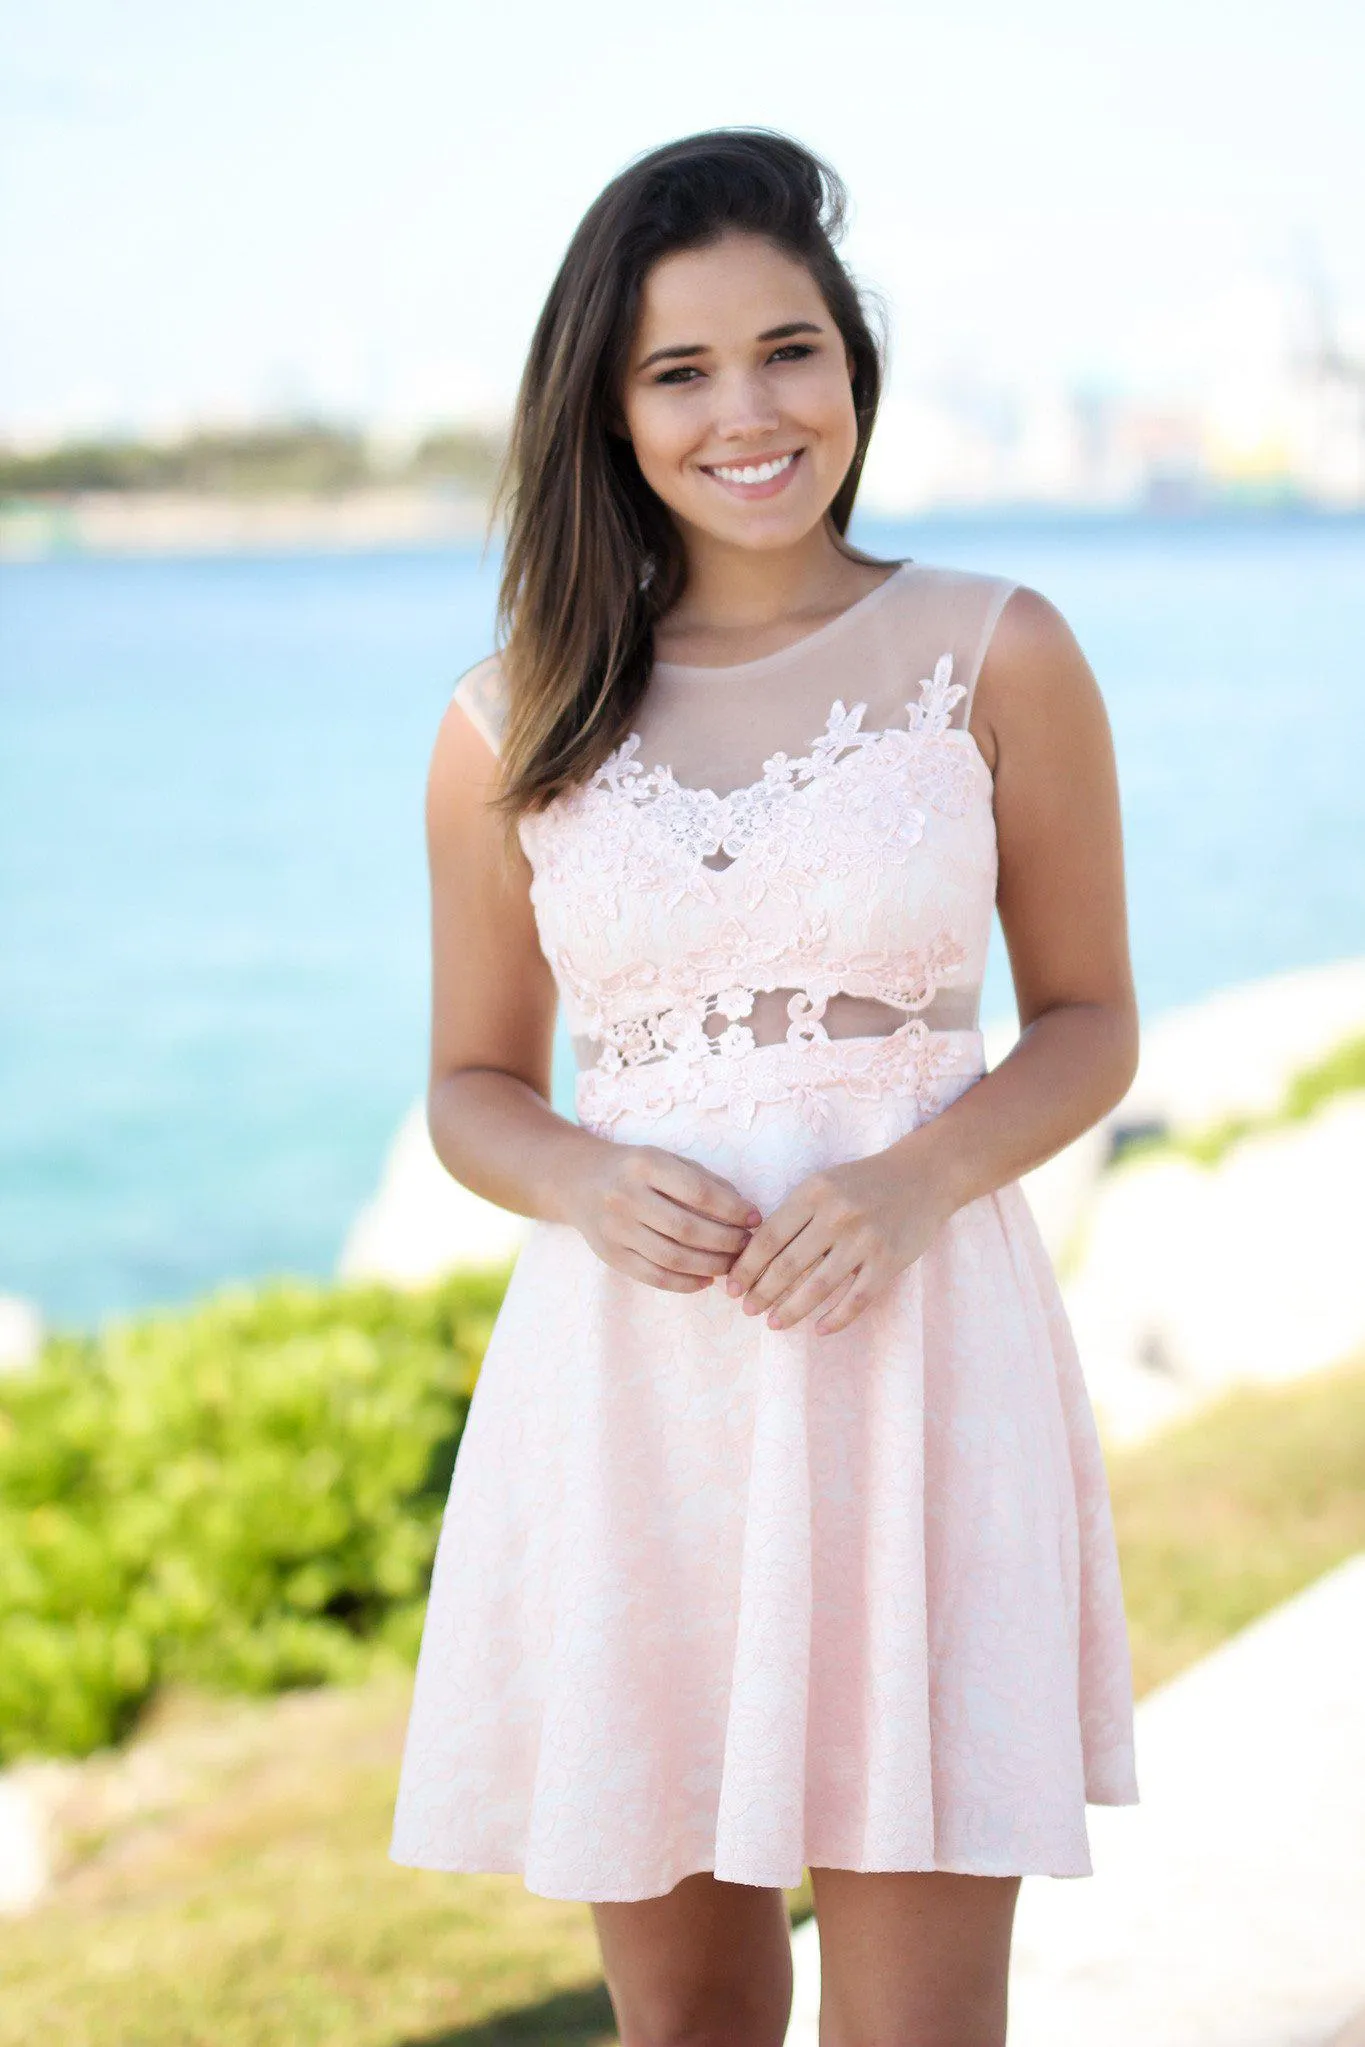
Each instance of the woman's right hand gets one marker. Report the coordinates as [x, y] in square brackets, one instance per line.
[660, 1218]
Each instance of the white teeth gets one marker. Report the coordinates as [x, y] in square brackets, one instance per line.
[764, 473]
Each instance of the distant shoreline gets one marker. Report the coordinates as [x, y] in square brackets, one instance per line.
[104, 525]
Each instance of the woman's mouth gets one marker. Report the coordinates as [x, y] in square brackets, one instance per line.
[756, 479]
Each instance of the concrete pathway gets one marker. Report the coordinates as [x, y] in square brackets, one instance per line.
[1228, 1908]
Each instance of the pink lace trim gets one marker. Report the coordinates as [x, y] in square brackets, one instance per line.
[626, 827]
[700, 823]
[705, 983]
[627, 833]
[910, 1060]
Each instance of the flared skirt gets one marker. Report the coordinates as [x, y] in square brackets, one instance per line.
[712, 1596]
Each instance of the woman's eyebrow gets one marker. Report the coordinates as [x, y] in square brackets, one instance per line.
[700, 347]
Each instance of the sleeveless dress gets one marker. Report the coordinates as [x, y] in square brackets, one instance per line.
[712, 1596]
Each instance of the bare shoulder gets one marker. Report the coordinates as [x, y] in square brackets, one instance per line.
[1036, 691]
[463, 774]
[481, 694]
[461, 751]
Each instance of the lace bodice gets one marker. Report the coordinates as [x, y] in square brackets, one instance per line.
[783, 877]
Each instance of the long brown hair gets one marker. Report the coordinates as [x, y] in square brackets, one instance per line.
[592, 557]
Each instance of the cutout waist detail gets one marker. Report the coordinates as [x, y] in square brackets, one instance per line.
[931, 1065]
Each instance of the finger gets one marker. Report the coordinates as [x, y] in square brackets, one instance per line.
[817, 1290]
[783, 1272]
[695, 1187]
[685, 1226]
[664, 1250]
[821, 1273]
[636, 1266]
[769, 1241]
[837, 1314]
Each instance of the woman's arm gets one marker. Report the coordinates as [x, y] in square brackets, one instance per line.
[844, 1232]
[668, 1221]
[1062, 909]
[493, 996]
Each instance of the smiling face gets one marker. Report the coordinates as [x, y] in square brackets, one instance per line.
[738, 394]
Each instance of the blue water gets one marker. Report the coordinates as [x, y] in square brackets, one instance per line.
[212, 882]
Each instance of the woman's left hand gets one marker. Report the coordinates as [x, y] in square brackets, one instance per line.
[838, 1238]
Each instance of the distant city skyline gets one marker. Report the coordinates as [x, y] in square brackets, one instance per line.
[333, 210]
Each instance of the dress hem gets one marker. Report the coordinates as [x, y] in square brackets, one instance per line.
[507, 1867]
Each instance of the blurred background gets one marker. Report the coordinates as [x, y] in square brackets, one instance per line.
[267, 278]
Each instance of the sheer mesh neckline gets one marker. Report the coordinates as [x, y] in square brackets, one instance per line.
[769, 882]
[621, 772]
[761, 662]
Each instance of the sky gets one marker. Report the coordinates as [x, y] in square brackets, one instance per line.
[214, 213]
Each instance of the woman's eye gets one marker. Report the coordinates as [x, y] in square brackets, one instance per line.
[793, 349]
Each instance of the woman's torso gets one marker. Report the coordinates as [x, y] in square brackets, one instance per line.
[786, 852]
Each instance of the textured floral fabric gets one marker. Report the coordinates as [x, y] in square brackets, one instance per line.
[711, 1596]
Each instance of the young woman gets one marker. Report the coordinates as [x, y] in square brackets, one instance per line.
[779, 1535]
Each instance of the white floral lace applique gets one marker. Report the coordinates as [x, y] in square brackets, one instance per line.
[783, 844]
[858, 803]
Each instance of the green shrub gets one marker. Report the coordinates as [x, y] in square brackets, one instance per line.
[244, 1495]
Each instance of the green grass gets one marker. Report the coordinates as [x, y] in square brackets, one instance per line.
[1236, 1509]
[260, 1910]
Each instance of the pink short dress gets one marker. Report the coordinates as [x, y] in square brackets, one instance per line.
[712, 1596]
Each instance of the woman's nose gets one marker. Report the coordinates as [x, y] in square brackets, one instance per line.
[744, 406]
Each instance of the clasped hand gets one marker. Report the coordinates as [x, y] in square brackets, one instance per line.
[832, 1244]
[836, 1240]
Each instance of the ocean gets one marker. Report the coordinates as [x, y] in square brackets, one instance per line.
[213, 912]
